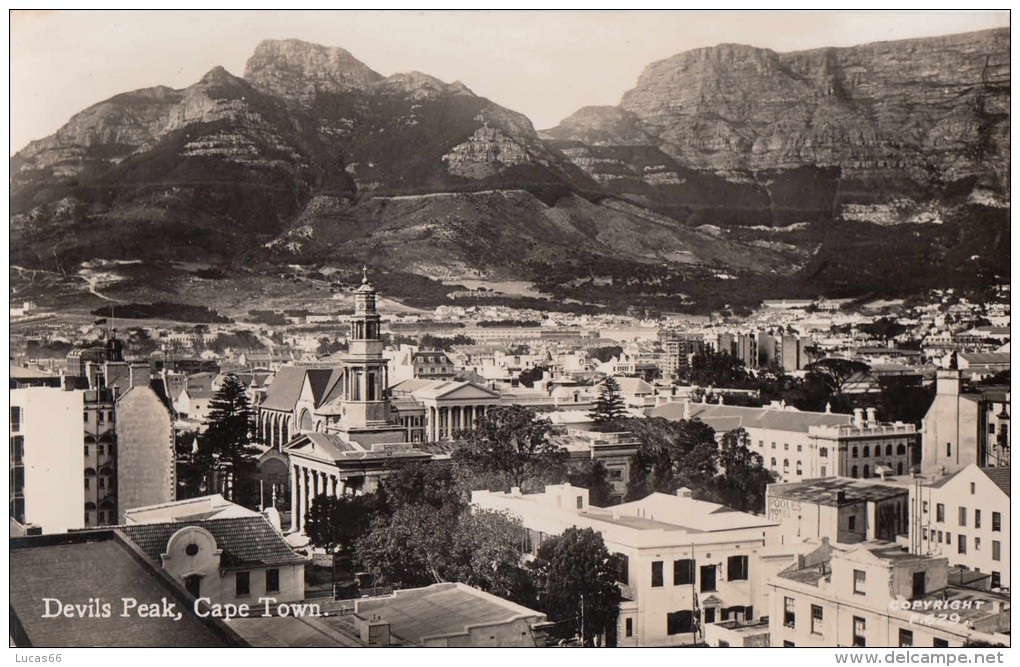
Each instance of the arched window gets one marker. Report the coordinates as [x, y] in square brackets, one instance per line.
[901, 449]
[888, 450]
[773, 463]
[899, 468]
[853, 472]
[867, 451]
[800, 468]
[867, 472]
[854, 452]
[786, 466]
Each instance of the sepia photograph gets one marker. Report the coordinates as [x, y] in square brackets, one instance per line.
[510, 329]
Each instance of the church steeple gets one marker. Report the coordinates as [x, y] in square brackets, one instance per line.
[365, 370]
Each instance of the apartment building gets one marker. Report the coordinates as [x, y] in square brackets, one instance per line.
[878, 594]
[964, 518]
[686, 561]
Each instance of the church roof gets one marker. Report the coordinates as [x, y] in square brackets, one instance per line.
[322, 381]
[285, 389]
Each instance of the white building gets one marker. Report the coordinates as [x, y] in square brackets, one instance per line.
[675, 549]
[877, 594]
[798, 445]
[47, 458]
[964, 517]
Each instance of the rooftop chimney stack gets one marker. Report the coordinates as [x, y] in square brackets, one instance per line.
[858, 417]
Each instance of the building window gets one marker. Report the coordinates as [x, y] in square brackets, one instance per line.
[940, 643]
[853, 453]
[977, 544]
[580, 502]
[859, 579]
[924, 507]
[242, 583]
[628, 627]
[888, 450]
[961, 544]
[996, 522]
[853, 472]
[623, 572]
[786, 466]
[977, 518]
[949, 538]
[823, 451]
[939, 536]
[859, 628]
[786, 446]
[273, 581]
[996, 550]
[996, 579]
[788, 644]
[707, 578]
[86, 482]
[867, 451]
[709, 615]
[736, 568]
[823, 471]
[963, 516]
[973, 488]
[15, 418]
[816, 620]
[678, 622]
[852, 523]
[924, 534]
[683, 572]
[789, 615]
[906, 638]
[800, 448]
[773, 463]
[949, 449]
[657, 574]
[102, 450]
[86, 450]
[800, 468]
[940, 512]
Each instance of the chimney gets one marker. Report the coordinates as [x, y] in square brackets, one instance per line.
[838, 497]
[858, 417]
[138, 375]
[872, 417]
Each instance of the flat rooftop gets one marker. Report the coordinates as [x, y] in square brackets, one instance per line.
[820, 491]
[441, 610]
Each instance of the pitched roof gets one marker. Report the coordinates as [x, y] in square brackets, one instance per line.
[820, 491]
[79, 566]
[1000, 476]
[733, 416]
[322, 380]
[285, 390]
[245, 541]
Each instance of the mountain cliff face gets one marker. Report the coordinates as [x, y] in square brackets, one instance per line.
[723, 162]
[898, 120]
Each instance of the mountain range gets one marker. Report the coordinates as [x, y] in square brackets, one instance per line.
[726, 175]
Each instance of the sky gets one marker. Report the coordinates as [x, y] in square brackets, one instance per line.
[543, 64]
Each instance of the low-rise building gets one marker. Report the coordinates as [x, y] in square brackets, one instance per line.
[798, 445]
[685, 561]
[838, 509]
[447, 615]
[961, 427]
[964, 518]
[878, 594]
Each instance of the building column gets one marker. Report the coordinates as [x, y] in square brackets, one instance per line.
[302, 504]
[430, 424]
[343, 486]
[293, 498]
[332, 485]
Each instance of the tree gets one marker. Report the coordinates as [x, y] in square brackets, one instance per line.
[420, 545]
[709, 368]
[592, 475]
[575, 576]
[230, 430]
[744, 478]
[511, 441]
[604, 354]
[836, 373]
[335, 524]
[529, 376]
[672, 454]
[609, 405]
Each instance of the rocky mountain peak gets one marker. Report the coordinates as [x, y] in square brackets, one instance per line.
[295, 69]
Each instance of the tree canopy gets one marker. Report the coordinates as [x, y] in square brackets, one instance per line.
[230, 431]
[836, 373]
[609, 406]
[333, 523]
[576, 580]
[511, 441]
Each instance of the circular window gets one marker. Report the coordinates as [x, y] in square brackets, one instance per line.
[191, 549]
